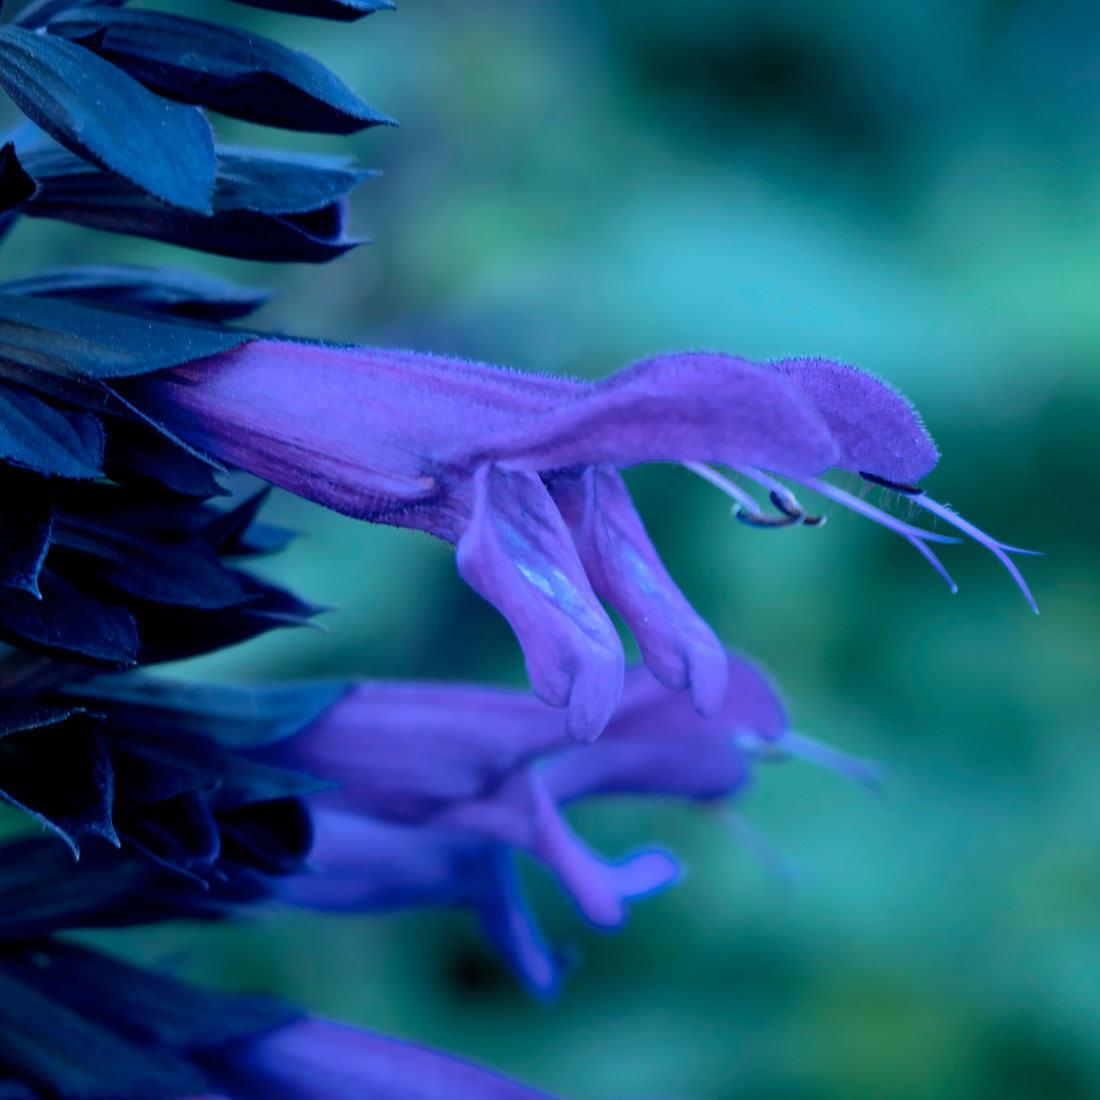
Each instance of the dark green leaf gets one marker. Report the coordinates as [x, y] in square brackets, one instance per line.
[178, 833]
[79, 342]
[25, 526]
[234, 716]
[281, 183]
[239, 74]
[63, 1051]
[60, 774]
[172, 634]
[18, 715]
[274, 837]
[141, 782]
[67, 623]
[39, 12]
[154, 289]
[267, 206]
[137, 454]
[210, 765]
[107, 117]
[39, 437]
[236, 531]
[43, 890]
[187, 574]
[150, 1006]
[16, 1090]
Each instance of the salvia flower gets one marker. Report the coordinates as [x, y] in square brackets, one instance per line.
[520, 472]
[440, 785]
[320, 1060]
[123, 399]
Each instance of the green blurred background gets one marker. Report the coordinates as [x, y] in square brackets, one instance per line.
[913, 187]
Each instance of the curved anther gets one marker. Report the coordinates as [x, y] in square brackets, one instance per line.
[786, 504]
[762, 519]
[745, 508]
[780, 496]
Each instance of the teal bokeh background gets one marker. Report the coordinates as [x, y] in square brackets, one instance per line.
[912, 187]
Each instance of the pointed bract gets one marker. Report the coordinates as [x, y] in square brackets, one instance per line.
[266, 206]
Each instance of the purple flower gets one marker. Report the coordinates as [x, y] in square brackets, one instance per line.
[441, 784]
[366, 865]
[319, 1060]
[446, 754]
[519, 471]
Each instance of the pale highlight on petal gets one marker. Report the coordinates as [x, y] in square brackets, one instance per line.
[625, 570]
[518, 554]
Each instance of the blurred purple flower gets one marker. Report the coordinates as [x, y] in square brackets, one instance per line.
[441, 784]
[314, 1059]
[366, 865]
[519, 471]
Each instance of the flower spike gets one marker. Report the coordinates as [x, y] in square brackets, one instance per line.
[124, 400]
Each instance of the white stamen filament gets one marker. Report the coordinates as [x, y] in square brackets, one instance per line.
[915, 536]
[734, 492]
